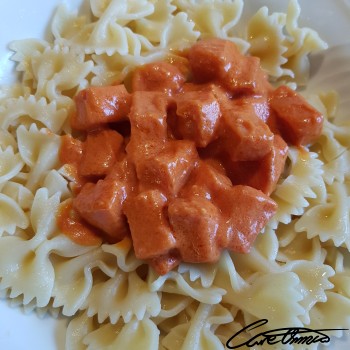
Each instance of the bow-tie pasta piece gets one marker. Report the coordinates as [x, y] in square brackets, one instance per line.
[28, 272]
[11, 216]
[19, 111]
[266, 37]
[302, 182]
[329, 220]
[197, 333]
[58, 73]
[10, 164]
[174, 282]
[333, 145]
[19, 193]
[296, 246]
[56, 183]
[276, 297]
[108, 33]
[314, 283]
[215, 18]
[341, 282]
[12, 91]
[229, 279]
[255, 263]
[111, 69]
[43, 214]
[267, 244]
[336, 258]
[66, 23]
[39, 150]
[76, 275]
[172, 305]
[334, 150]
[123, 255]
[124, 295]
[203, 272]
[300, 43]
[154, 24]
[178, 33]
[85, 333]
[24, 51]
[123, 11]
[332, 314]
[7, 139]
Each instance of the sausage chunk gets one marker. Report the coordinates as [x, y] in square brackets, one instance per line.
[98, 106]
[298, 122]
[100, 205]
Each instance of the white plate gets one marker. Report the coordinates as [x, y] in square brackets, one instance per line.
[20, 19]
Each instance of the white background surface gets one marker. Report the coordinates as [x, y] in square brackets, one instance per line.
[21, 19]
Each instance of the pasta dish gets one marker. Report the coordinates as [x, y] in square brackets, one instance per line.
[118, 297]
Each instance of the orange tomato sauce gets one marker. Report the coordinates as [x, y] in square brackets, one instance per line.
[185, 163]
[75, 228]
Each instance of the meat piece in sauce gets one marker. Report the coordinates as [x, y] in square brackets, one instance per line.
[100, 151]
[195, 222]
[263, 173]
[247, 78]
[221, 94]
[169, 169]
[148, 125]
[123, 171]
[158, 76]
[212, 59]
[260, 103]
[247, 211]
[71, 150]
[245, 136]
[207, 182]
[150, 230]
[164, 263]
[198, 114]
[220, 60]
[98, 106]
[298, 122]
[100, 205]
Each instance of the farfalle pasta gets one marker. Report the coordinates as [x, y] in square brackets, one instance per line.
[295, 274]
[10, 164]
[304, 182]
[12, 215]
[330, 220]
[263, 27]
[300, 42]
[19, 110]
[216, 18]
[39, 151]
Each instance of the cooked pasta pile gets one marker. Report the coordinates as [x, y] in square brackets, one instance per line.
[294, 276]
